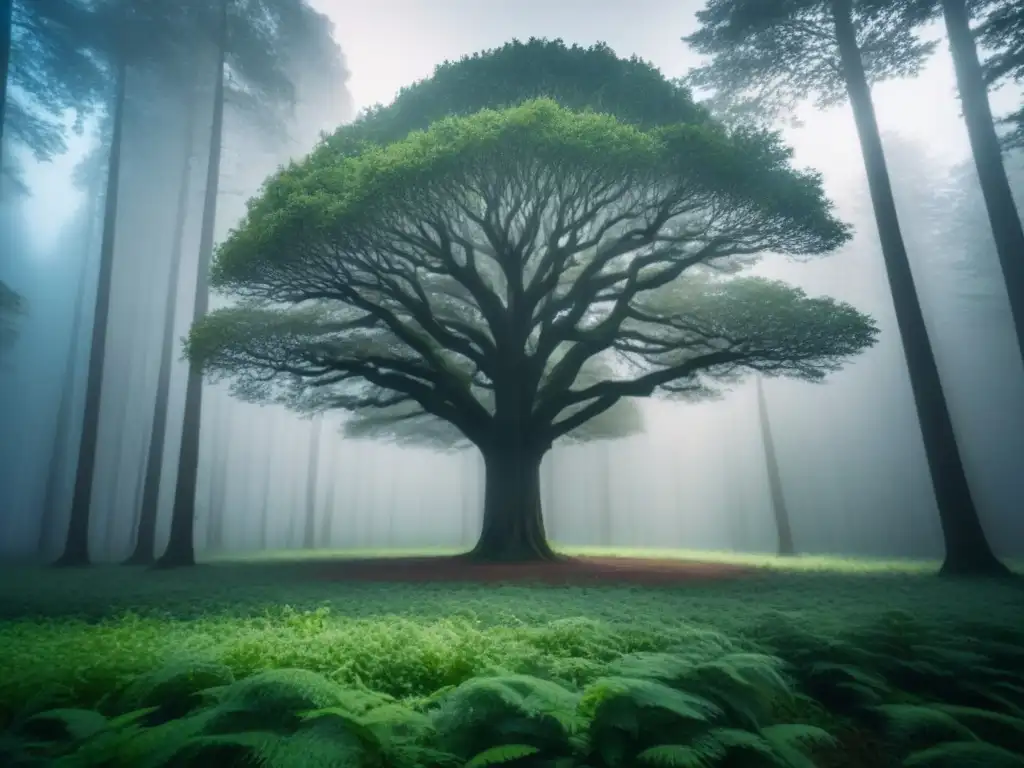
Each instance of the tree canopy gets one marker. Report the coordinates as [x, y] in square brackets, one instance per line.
[472, 271]
[771, 55]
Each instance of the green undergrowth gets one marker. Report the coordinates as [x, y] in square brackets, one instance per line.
[256, 664]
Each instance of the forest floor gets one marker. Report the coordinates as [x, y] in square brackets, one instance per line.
[853, 635]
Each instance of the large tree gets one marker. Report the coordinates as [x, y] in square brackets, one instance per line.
[470, 272]
[1004, 31]
[768, 57]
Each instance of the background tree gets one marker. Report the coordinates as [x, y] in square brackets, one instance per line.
[473, 270]
[11, 308]
[46, 70]
[1000, 33]
[972, 86]
[309, 528]
[777, 498]
[768, 57]
[134, 39]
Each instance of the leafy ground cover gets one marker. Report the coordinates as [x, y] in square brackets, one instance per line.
[262, 661]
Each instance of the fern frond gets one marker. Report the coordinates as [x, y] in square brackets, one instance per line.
[645, 694]
[964, 754]
[175, 688]
[503, 754]
[792, 741]
[63, 725]
[675, 756]
[910, 721]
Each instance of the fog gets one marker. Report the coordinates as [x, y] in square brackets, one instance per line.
[849, 449]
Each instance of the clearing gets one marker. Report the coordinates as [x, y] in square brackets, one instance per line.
[854, 662]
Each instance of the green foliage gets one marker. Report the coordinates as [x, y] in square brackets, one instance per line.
[767, 57]
[964, 754]
[383, 272]
[389, 677]
[578, 78]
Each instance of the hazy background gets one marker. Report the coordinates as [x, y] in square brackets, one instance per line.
[850, 450]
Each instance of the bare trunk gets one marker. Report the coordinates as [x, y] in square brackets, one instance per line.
[327, 526]
[988, 158]
[6, 20]
[56, 470]
[967, 550]
[778, 499]
[264, 533]
[606, 502]
[309, 532]
[218, 470]
[76, 545]
[513, 525]
[181, 544]
[145, 542]
[119, 418]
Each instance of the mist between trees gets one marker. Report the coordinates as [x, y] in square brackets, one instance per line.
[374, 216]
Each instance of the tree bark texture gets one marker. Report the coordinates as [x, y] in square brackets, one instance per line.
[76, 544]
[967, 550]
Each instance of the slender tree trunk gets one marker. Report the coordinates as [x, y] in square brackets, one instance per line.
[55, 475]
[988, 158]
[606, 502]
[6, 20]
[967, 550]
[76, 545]
[181, 544]
[778, 499]
[264, 537]
[327, 526]
[144, 552]
[309, 532]
[218, 471]
[513, 525]
[119, 418]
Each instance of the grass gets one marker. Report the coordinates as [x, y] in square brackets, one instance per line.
[83, 638]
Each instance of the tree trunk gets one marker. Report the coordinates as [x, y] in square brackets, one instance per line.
[6, 20]
[145, 542]
[988, 158]
[513, 525]
[606, 502]
[181, 544]
[76, 545]
[967, 550]
[327, 526]
[309, 532]
[778, 500]
[56, 470]
[216, 527]
[119, 418]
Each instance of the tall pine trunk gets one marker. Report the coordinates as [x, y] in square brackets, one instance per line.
[309, 532]
[215, 536]
[327, 524]
[1003, 217]
[606, 502]
[144, 552]
[56, 470]
[967, 550]
[778, 500]
[181, 544]
[264, 510]
[6, 20]
[76, 545]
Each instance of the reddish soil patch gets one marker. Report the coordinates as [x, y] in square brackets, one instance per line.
[575, 570]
